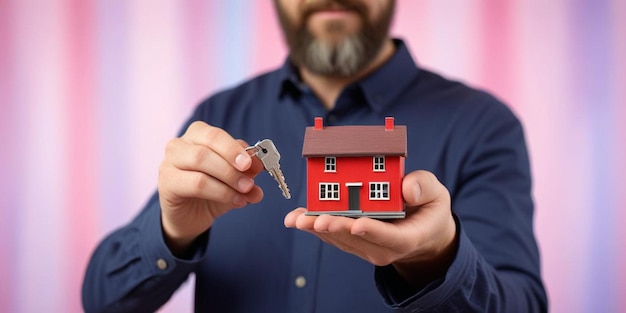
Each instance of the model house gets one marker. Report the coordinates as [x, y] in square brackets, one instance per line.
[355, 170]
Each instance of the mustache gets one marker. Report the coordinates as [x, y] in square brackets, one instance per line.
[312, 6]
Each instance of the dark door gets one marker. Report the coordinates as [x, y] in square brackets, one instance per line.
[354, 202]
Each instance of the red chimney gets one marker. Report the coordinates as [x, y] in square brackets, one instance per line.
[319, 123]
[389, 123]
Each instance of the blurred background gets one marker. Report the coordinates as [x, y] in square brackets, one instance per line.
[91, 90]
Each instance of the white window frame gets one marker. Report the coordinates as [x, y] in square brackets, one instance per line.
[328, 191]
[377, 191]
[330, 164]
[379, 163]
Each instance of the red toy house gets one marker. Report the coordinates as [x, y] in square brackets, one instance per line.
[355, 170]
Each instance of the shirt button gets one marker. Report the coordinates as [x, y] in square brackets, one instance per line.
[300, 281]
[161, 264]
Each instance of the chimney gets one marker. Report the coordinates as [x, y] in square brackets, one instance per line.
[319, 123]
[389, 123]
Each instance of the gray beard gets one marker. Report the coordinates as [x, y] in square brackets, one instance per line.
[345, 59]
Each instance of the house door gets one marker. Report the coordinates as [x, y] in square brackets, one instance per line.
[354, 196]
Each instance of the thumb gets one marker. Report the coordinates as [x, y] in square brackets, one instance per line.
[422, 187]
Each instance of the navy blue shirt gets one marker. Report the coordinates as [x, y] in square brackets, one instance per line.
[249, 262]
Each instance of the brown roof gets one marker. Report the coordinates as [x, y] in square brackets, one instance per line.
[354, 141]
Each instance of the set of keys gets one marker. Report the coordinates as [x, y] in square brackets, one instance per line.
[266, 151]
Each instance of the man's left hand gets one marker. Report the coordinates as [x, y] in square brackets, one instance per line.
[420, 246]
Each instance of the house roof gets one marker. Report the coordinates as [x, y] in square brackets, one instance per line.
[354, 141]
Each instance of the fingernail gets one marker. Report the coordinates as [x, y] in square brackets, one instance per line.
[242, 161]
[360, 234]
[417, 192]
[245, 184]
[239, 201]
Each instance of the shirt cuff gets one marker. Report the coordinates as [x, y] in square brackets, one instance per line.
[156, 256]
[397, 294]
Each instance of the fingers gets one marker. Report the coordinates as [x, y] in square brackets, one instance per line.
[339, 232]
[207, 163]
[201, 159]
[292, 217]
[422, 187]
[319, 224]
[257, 165]
[374, 240]
[213, 151]
[219, 141]
[419, 236]
[193, 184]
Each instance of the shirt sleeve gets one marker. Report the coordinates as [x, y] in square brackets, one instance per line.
[496, 268]
[471, 285]
[133, 270]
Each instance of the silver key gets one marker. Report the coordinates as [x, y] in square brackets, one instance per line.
[266, 151]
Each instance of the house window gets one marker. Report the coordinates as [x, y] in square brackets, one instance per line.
[331, 164]
[379, 164]
[329, 191]
[379, 191]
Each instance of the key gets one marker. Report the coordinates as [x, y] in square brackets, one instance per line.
[266, 151]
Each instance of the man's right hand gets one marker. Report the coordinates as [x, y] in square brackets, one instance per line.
[205, 173]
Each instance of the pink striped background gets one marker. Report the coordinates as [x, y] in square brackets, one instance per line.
[90, 91]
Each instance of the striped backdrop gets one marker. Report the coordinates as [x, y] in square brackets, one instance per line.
[90, 91]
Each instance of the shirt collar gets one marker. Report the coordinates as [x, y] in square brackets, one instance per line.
[380, 88]
[289, 80]
[383, 86]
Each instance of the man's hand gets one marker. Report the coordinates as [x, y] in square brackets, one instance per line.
[421, 246]
[205, 174]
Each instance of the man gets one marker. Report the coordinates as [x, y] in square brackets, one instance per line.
[466, 244]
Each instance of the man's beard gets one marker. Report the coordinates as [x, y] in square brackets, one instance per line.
[345, 58]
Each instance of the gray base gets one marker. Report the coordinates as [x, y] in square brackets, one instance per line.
[355, 214]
